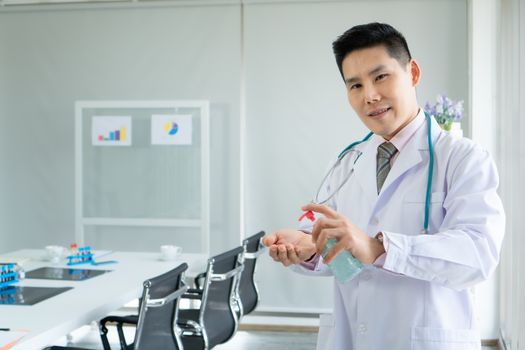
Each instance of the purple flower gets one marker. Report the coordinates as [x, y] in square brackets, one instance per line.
[445, 110]
[430, 109]
[457, 110]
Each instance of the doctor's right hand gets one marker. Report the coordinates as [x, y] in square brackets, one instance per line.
[289, 246]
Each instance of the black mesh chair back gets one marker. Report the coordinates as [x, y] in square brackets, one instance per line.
[217, 320]
[158, 311]
[219, 309]
[157, 315]
[248, 292]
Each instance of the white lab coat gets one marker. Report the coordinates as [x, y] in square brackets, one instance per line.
[420, 299]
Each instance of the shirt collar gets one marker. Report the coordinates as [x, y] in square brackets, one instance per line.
[405, 134]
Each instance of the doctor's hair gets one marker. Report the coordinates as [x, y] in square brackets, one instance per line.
[369, 35]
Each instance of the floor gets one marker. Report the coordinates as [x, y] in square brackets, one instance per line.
[253, 340]
[271, 340]
[242, 340]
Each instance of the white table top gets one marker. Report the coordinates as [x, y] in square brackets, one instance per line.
[89, 300]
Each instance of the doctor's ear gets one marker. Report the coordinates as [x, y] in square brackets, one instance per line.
[415, 72]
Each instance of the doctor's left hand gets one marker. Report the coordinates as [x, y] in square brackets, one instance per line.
[289, 246]
[349, 237]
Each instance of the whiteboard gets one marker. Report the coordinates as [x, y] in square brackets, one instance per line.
[125, 176]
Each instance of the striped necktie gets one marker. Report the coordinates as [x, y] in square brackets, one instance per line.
[385, 152]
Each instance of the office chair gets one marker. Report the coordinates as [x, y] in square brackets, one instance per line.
[247, 297]
[156, 319]
[216, 320]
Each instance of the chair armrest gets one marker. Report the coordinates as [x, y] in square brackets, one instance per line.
[129, 319]
[192, 294]
[254, 255]
[189, 326]
[120, 321]
[229, 274]
[168, 298]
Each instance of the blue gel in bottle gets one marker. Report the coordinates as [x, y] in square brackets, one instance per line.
[344, 266]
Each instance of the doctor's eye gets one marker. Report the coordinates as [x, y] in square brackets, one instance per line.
[381, 77]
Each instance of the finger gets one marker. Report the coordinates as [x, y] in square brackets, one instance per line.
[283, 255]
[274, 253]
[324, 223]
[270, 239]
[336, 249]
[325, 235]
[292, 255]
[321, 209]
[316, 229]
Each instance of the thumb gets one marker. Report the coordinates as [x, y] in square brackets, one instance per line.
[270, 240]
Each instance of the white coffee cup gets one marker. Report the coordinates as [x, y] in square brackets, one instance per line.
[169, 252]
[54, 253]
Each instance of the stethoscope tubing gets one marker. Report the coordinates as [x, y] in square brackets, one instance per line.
[430, 173]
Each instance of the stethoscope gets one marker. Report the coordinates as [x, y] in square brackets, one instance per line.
[350, 149]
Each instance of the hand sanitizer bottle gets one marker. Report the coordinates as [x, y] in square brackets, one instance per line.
[344, 266]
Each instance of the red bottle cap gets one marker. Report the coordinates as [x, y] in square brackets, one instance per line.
[309, 215]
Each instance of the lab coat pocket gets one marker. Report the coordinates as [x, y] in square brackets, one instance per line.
[413, 210]
[424, 338]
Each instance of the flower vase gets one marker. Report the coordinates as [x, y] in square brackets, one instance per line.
[454, 128]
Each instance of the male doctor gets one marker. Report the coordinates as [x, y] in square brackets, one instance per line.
[413, 292]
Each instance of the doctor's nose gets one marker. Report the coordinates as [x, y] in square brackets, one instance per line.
[371, 95]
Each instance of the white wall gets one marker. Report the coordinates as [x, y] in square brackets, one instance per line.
[53, 56]
[511, 126]
[483, 118]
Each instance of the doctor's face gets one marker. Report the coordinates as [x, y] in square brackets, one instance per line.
[380, 90]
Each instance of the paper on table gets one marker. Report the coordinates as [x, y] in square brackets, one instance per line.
[9, 338]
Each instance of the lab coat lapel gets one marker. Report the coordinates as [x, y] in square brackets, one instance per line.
[365, 169]
[412, 153]
[410, 157]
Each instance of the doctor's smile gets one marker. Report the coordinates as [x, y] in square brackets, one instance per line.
[378, 113]
[399, 229]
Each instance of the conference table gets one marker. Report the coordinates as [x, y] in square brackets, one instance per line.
[88, 300]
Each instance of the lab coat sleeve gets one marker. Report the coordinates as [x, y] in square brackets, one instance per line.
[465, 250]
[319, 269]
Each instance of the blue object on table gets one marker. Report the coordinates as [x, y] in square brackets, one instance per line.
[83, 256]
[8, 275]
